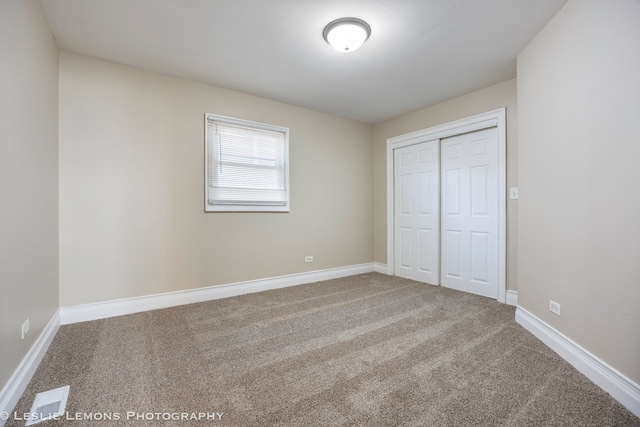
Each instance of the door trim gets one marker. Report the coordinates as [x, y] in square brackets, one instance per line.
[495, 118]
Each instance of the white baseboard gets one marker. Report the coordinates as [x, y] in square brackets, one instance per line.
[607, 378]
[512, 298]
[380, 268]
[102, 310]
[19, 381]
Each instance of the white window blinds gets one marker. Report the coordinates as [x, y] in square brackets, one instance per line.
[247, 165]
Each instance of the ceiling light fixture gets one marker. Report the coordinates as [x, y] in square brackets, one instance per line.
[346, 34]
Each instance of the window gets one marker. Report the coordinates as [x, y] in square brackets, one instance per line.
[247, 166]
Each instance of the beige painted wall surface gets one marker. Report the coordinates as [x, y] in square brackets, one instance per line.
[579, 231]
[487, 99]
[132, 218]
[28, 179]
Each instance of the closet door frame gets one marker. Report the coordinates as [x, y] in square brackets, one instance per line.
[495, 118]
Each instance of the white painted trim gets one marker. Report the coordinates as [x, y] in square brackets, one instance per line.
[621, 388]
[102, 310]
[512, 298]
[495, 118]
[458, 127]
[19, 381]
[380, 268]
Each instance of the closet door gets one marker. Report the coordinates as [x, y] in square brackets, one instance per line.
[416, 210]
[469, 231]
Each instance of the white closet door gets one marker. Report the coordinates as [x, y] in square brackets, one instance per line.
[417, 210]
[469, 252]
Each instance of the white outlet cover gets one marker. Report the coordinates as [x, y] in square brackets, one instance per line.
[25, 328]
[554, 307]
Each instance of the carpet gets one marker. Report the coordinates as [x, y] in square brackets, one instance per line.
[366, 350]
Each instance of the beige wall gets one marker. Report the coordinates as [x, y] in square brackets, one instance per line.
[481, 101]
[579, 231]
[132, 218]
[28, 178]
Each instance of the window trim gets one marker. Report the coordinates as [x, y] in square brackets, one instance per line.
[244, 207]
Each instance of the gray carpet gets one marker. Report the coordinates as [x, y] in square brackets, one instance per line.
[367, 350]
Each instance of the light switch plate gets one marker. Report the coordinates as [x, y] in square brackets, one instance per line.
[513, 193]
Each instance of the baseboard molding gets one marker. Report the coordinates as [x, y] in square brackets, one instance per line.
[609, 379]
[512, 298]
[102, 310]
[19, 381]
[380, 268]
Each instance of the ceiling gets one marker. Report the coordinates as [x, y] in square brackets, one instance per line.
[420, 52]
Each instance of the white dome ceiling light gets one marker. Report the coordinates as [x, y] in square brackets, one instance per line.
[346, 34]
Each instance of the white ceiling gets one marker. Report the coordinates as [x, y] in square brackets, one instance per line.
[420, 51]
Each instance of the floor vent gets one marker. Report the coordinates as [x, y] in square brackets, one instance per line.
[47, 405]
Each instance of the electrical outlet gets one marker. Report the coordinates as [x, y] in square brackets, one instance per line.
[25, 328]
[554, 307]
[308, 258]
